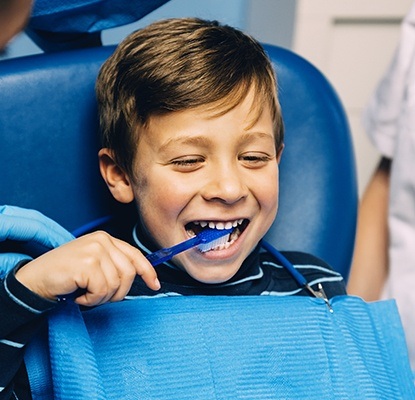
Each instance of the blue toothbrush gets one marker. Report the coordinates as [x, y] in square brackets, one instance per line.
[206, 240]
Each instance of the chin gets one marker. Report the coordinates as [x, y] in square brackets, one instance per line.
[213, 267]
[211, 278]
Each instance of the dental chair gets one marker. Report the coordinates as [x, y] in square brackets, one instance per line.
[191, 347]
[49, 144]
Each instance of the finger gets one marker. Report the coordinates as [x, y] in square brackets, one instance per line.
[115, 269]
[126, 273]
[100, 282]
[123, 257]
[142, 266]
[119, 273]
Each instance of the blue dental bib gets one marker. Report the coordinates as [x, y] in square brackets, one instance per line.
[245, 347]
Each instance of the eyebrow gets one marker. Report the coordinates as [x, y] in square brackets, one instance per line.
[204, 141]
[251, 136]
[201, 141]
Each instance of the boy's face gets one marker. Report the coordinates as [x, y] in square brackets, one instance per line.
[192, 167]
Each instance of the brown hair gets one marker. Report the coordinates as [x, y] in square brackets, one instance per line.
[174, 65]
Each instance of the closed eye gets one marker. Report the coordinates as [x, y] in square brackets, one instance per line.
[255, 160]
[187, 163]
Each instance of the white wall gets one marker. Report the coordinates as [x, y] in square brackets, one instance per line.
[351, 42]
[271, 21]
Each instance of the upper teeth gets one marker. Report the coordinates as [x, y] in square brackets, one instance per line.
[219, 225]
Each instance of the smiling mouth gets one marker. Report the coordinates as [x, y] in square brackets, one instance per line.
[238, 226]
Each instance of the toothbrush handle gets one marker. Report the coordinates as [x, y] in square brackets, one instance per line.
[159, 256]
[163, 255]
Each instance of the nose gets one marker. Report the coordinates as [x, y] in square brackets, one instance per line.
[226, 185]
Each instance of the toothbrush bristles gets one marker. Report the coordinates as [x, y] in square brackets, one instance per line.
[204, 247]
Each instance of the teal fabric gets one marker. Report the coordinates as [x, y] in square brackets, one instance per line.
[247, 347]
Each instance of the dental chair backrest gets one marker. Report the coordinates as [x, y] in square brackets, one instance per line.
[49, 144]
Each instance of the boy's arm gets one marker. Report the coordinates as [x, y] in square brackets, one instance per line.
[21, 313]
[98, 263]
[22, 232]
[103, 266]
[370, 261]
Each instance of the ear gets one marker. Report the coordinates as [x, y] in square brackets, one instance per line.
[279, 153]
[116, 179]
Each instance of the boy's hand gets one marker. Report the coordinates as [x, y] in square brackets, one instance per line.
[99, 263]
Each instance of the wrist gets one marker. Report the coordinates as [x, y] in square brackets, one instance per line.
[22, 296]
[24, 275]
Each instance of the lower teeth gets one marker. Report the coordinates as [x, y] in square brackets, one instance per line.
[228, 244]
[232, 238]
[225, 246]
[234, 235]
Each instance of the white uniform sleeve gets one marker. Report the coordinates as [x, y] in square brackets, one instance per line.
[385, 114]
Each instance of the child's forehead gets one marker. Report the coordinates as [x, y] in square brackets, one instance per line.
[250, 109]
[253, 106]
[191, 129]
[250, 98]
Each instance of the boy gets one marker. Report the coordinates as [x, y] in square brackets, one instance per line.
[192, 134]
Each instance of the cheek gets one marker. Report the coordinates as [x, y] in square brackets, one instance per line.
[160, 203]
[268, 189]
[160, 193]
[269, 204]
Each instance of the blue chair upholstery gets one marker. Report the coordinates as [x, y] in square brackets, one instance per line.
[318, 187]
[49, 144]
